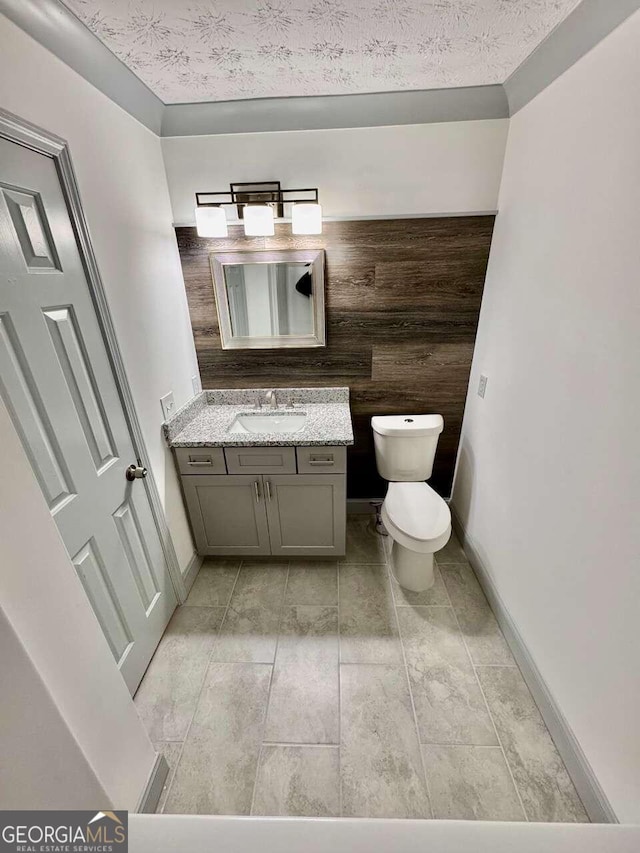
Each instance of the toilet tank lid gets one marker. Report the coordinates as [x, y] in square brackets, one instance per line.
[407, 425]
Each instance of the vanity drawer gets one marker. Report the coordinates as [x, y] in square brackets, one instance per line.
[322, 460]
[200, 460]
[261, 460]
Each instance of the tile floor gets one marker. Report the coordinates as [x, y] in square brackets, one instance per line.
[325, 689]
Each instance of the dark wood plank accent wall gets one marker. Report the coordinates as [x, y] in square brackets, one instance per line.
[402, 299]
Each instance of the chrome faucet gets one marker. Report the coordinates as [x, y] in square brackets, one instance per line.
[271, 399]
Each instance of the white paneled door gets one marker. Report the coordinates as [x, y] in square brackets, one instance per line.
[57, 382]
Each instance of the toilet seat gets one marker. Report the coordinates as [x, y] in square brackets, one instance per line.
[416, 517]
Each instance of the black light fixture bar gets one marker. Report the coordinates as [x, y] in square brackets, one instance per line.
[257, 192]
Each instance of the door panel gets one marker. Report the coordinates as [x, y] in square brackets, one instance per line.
[58, 384]
[31, 229]
[104, 600]
[29, 415]
[307, 514]
[140, 566]
[227, 513]
[81, 384]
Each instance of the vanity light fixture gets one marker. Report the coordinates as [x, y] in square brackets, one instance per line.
[211, 222]
[258, 204]
[306, 218]
[258, 220]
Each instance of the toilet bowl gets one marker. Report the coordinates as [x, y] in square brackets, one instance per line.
[417, 519]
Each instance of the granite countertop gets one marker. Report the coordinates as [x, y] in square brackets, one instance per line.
[205, 420]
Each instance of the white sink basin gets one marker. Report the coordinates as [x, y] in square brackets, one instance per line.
[280, 422]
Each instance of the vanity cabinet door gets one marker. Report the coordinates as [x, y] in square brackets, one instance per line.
[307, 514]
[228, 514]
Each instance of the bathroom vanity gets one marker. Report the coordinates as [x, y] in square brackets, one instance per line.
[264, 472]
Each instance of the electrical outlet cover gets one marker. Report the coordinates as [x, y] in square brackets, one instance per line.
[168, 405]
[482, 386]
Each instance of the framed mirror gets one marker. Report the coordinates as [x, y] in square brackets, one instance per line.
[270, 299]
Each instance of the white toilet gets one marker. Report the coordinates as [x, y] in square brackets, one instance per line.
[416, 518]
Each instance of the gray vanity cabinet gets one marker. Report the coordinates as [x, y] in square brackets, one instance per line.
[306, 514]
[274, 508]
[227, 513]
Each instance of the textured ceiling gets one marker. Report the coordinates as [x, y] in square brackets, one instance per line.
[216, 50]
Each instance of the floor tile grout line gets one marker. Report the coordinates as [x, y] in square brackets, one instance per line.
[506, 760]
[296, 744]
[463, 745]
[204, 678]
[273, 669]
[493, 723]
[415, 723]
[259, 762]
[342, 563]
[365, 662]
[413, 704]
[231, 662]
[484, 699]
[484, 603]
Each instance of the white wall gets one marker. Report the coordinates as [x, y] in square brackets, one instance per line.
[53, 773]
[54, 654]
[549, 469]
[124, 192]
[452, 167]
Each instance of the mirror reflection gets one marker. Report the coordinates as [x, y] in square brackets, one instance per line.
[269, 299]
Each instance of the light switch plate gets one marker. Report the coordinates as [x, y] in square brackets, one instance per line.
[196, 384]
[482, 386]
[168, 405]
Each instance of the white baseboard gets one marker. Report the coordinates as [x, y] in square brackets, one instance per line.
[593, 797]
[190, 572]
[360, 506]
[153, 789]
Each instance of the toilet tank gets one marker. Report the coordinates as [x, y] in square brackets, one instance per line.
[406, 445]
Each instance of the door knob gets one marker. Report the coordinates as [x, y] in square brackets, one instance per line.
[136, 472]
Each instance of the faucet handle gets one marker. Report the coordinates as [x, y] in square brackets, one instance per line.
[258, 405]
